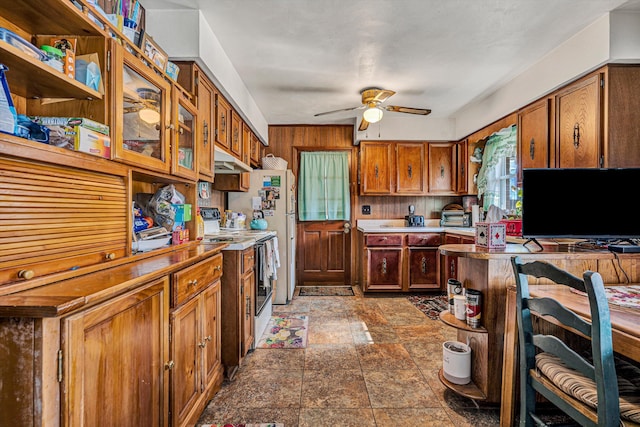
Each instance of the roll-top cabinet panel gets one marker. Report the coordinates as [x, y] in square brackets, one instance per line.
[534, 149]
[142, 113]
[191, 280]
[410, 168]
[579, 128]
[114, 356]
[58, 219]
[442, 174]
[375, 163]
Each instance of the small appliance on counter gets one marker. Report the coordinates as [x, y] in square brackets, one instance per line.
[413, 220]
[454, 216]
[211, 217]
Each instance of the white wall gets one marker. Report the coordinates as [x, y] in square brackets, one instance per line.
[191, 38]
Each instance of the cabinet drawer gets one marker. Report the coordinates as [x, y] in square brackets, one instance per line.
[384, 239]
[424, 239]
[191, 280]
[248, 260]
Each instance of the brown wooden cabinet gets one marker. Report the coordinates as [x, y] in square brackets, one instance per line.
[375, 168]
[410, 168]
[223, 122]
[424, 268]
[578, 130]
[183, 136]
[449, 263]
[462, 162]
[196, 369]
[142, 114]
[238, 300]
[236, 135]
[534, 143]
[113, 356]
[255, 146]
[400, 262]
[442, 173]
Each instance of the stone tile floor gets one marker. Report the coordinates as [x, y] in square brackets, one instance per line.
[369, 361]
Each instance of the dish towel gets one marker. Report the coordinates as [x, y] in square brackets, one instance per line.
[276, 254]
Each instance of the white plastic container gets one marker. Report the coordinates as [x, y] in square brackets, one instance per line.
[456, 362]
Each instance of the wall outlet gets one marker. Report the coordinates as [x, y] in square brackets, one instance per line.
[366, 210]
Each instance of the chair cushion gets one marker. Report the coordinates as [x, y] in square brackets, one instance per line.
[582, 388]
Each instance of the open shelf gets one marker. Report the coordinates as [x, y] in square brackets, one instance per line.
[31, 78]
[451, 320]
[468, 390]
[49, 17]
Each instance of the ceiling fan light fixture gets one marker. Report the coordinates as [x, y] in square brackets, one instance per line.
[372, 114]
[149, 115]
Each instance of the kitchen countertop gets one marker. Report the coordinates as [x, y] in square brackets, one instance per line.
[238, 239]
[397, 226]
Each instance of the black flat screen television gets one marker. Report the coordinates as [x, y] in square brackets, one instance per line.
[592, 204]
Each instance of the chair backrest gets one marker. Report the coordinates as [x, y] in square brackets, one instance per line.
[602, 367]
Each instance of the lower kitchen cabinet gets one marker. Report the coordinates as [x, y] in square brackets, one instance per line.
[238, 300]
[449, 263]
[401, 262]
[195, 366]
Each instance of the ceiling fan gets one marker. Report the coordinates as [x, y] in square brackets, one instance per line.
[146, 103]
[372, 98]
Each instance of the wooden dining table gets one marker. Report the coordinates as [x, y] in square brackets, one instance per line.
[625, 332]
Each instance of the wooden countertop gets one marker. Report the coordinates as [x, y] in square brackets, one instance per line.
[551, 251]
[78, 292]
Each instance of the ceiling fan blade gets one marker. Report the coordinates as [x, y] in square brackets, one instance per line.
[363, 125]
[337, 111]
[398, 109]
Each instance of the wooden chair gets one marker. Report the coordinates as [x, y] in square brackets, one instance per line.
[586, 389]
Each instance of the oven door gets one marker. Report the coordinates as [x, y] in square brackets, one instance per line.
[264, 282]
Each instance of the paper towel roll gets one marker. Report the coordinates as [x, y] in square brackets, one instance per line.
[475, 214]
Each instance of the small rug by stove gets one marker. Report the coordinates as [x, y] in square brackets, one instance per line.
[431, 305]
[326, 291]
[243, 425]
[285, 331]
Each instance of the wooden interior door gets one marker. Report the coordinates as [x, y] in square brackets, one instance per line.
[323, 250]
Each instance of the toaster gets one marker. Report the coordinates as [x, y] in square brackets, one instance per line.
[414, 221]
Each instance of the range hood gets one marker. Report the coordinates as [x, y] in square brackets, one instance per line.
[226, 163]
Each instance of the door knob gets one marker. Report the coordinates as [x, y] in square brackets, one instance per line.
[347, 228]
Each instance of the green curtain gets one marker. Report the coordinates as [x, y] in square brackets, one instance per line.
[323, 187]
[499, 145]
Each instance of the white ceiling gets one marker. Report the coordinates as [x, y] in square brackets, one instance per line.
[301, 57]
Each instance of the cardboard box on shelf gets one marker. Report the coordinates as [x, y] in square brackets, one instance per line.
[68, 47]
[76, 133]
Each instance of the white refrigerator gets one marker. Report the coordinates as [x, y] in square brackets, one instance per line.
[272, 195]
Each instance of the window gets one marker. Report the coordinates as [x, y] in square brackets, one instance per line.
[323, 188]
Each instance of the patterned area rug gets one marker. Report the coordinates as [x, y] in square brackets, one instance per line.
[244, 425]
[285, 332]
[431, 305]
[326, 291]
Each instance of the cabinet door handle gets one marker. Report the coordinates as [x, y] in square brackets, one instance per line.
[384, 238]
[424, 265]
[192, 282]
[202, 344]
[462, 171]
[376, 170]
[576, 135]
[223, 120]
[452, 268]
[171, 126]
[217, 268]
[206, 133]
[248, 306]
[410, 171]
[384, 266]
[532, 148]
[208, 338]
[169, 365]
[441, 171]
[26, 274]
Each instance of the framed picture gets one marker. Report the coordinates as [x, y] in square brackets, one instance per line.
[153, 51]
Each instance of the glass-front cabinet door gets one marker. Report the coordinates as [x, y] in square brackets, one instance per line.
[184, 135]
[142, 114]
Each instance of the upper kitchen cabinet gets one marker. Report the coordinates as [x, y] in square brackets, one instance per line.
[223, 122]
[184, 120]
[375, 168]
[533, 136]
[141, 114]
[236, 135]
[463, 166]
[410, 168]
[255, 146]
[442, 174]
[246, 143]
[578, 121]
